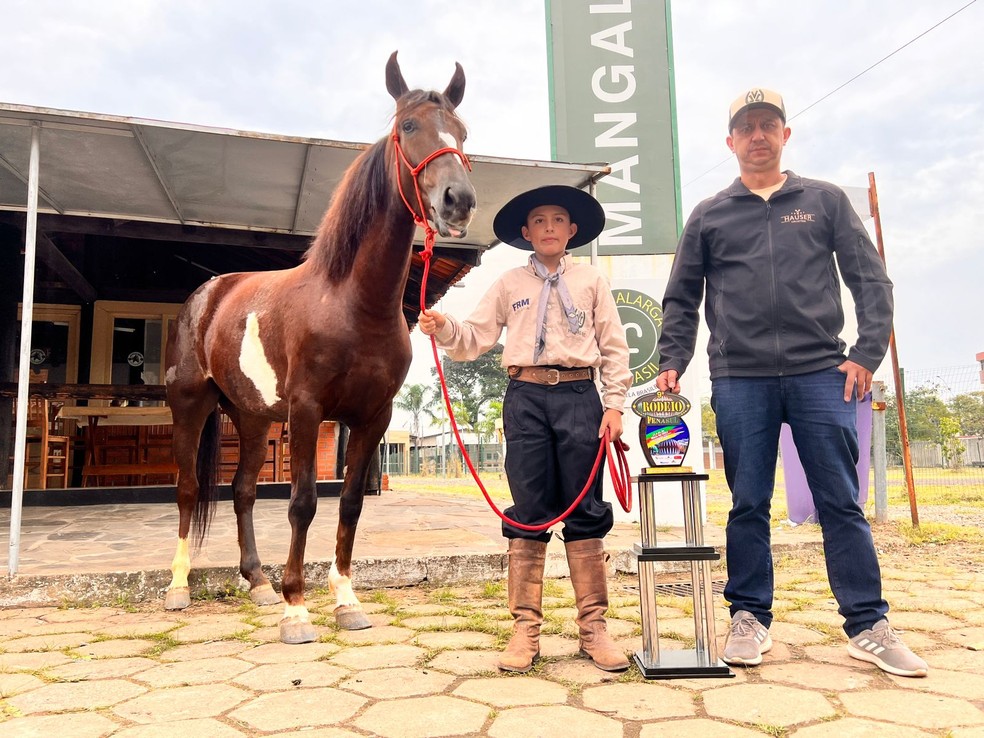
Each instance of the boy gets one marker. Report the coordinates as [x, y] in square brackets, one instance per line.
[563, 330]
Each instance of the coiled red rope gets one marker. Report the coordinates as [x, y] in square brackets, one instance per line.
[618, 465]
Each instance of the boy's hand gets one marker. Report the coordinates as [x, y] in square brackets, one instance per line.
[430, 321]
[612, 422]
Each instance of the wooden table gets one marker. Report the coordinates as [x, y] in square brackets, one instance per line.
[124, 416]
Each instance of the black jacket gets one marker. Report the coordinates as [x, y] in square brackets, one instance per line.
[773, 302]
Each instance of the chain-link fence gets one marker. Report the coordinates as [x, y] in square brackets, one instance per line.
[944, 411]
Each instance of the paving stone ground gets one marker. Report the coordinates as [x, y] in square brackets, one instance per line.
[87, 650]
[427, 668]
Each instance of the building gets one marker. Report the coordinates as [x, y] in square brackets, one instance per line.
[133, 215]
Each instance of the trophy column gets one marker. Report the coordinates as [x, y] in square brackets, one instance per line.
[702, 660]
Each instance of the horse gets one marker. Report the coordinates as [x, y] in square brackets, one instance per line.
[325, 340]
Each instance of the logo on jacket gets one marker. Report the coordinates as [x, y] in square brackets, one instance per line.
[521, 304]
[798, 216]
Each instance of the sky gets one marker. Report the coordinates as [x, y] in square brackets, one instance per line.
[315, 69]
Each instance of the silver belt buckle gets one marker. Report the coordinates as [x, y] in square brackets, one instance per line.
[553, 376]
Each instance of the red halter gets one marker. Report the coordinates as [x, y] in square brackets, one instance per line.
[421, 218]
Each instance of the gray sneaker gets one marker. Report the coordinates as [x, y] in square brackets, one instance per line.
[747, 640]
[881, 646]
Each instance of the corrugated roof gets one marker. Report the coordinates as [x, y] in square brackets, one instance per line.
[135, 169]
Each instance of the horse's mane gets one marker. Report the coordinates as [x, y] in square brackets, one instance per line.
[364, 192]
[358, 199]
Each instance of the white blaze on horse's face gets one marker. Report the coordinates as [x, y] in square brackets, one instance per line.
[253, 362]
[451, 143]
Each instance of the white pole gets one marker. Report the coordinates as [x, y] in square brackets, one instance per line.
[445, 443]
[23, 376]
[592, 190]
[879, 454]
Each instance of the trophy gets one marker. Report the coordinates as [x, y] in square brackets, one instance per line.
[663, 434]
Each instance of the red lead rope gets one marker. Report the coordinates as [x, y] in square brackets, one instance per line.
[618, 465]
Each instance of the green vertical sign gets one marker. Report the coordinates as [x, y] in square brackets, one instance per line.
[612, 100]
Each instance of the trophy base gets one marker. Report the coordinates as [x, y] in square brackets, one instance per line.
[668, 470]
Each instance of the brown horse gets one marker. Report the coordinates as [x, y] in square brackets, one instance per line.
[326, 340]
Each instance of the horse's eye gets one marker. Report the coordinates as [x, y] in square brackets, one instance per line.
[408, 126]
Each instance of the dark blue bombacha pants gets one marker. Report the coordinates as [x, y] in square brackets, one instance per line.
[551, 444]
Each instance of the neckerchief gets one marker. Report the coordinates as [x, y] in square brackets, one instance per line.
[549, 281]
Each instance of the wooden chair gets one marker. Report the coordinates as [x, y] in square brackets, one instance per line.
[116, 458]
[52, 458]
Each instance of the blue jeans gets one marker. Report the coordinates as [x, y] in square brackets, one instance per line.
[750, 411]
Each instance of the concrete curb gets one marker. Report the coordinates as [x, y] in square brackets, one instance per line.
[368, 574]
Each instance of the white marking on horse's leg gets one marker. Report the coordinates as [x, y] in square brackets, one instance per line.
[253, 362]
[299, 612]
[342, 586]
[180, 565]
[449, 141]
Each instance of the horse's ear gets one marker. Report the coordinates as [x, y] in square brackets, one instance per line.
[395, 84]
[456, 87]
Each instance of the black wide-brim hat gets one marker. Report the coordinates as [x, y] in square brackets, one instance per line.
[584, 210]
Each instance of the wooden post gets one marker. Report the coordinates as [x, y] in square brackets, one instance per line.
[899, 393]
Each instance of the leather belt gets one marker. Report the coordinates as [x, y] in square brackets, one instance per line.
[548, 375]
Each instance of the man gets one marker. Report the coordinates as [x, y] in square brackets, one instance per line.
[562, 330]
[767, 250]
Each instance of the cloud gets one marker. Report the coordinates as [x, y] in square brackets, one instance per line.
[315, 69]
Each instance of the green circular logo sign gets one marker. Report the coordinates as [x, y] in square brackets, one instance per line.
[642, 318]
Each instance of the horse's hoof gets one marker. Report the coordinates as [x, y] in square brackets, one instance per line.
[295, 630]
[177, 598]
[265, 594]
[351, 617]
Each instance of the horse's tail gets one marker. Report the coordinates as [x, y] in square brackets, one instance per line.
[208, 476]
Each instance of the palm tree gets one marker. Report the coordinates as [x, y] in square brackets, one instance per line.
[413, 400]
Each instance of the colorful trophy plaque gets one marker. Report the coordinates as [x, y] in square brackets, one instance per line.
[663, 434]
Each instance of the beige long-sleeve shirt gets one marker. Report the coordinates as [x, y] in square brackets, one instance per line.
[512, 303]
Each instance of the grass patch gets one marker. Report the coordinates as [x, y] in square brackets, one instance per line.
[162, 642]
[778, 731]
[553, 588]
[443, 596]
[938, 534]
[493, 589]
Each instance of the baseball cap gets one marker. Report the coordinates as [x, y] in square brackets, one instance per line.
[757, 97]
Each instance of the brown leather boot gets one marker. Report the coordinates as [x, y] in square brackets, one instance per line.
[589, 575]
[526, 560]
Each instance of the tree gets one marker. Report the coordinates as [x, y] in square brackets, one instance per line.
[474, 385]
[708, 421]
[950, 445]
[486, 427]
[413, 399]
[969, 411]
[437, 415]
[928, 418]
[476, 389]
[923, 411]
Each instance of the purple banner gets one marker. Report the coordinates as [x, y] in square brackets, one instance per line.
[799, 499]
